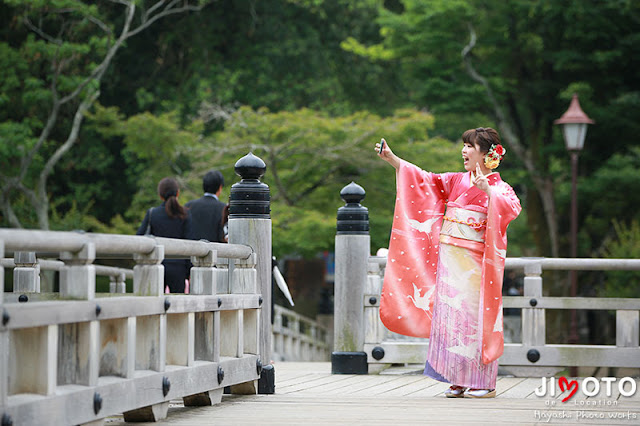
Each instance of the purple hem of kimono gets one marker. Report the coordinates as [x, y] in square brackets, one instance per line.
[430, 372]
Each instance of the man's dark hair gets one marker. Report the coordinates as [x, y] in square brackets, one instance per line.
[212, 181]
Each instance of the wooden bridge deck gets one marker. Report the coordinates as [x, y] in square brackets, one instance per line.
[308, 394]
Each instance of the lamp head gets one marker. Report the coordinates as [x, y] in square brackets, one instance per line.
[574, 125]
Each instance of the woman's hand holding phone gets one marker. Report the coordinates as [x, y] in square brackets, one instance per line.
[384, 152]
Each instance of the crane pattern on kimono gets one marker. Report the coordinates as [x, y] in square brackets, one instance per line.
[422, 302]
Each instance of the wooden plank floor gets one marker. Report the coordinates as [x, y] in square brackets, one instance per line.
[308, 394]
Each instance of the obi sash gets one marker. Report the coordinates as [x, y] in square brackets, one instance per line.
[464, 228]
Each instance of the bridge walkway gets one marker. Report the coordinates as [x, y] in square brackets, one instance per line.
[308, 394]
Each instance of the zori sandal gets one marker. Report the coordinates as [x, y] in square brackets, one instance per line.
[455, 392]
[480, 393]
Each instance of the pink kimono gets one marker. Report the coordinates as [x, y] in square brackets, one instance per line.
[445, 268]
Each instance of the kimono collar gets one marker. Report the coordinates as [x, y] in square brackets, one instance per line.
[474, 198]
[492, 177]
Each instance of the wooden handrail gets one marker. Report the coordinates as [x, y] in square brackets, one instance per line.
[533, 352]
[113, 244]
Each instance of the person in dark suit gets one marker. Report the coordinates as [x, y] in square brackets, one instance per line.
[170, 220]
[207, 212]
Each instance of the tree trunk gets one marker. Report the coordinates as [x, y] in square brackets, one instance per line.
[38, 197]
[543, 185]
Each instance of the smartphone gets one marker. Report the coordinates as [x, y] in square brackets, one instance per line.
[382, 142]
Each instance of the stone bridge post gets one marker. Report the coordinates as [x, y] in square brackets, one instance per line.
[250, 224]
[352, 256]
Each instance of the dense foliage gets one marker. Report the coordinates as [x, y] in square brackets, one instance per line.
[98, 101]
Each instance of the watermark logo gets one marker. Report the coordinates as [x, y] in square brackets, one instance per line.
[590, 386]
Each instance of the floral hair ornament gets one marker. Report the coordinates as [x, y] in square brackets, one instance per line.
[494, 156]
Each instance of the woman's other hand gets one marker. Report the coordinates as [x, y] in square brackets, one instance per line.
[481, 182]
[386, 154]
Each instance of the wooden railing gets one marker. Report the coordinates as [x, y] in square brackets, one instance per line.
[362, 340]
[295, 337]
[298, 338]
[383, 346]
[117, 276]
[81, 356]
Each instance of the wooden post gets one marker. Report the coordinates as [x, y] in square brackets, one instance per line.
[352, 257]
[150, 354]
[533, 327]
[26, 274]
[244, 276]
[278, 331]
[206, 346]
[118, 283]
[374, 329]
[33, 360]
[78, 353]
[181, 335]
[78, 277]
[222, 275]
[117, 347]
[78, 343]
[203, 274]
[533, 319]
[627, 328]
[148, 273]
[151, 342]
[250, 224]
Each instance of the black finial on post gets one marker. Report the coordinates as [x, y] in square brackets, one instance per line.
[353, 218]
[250, 197]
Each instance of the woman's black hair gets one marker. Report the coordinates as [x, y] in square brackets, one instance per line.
[168, 190]
[482, 138]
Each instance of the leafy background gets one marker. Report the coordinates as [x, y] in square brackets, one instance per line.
[310, 86]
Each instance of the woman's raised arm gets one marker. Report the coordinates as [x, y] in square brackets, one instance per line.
[386, 154]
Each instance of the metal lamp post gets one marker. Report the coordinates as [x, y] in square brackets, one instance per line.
[574, 129]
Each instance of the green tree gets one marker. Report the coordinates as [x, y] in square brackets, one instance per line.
[151, 147]
[55, 61]
[518, 63]
[608, 201]
[283, 55]
[625, 245]
[311, 156]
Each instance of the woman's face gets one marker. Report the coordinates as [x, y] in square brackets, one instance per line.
[472, 156]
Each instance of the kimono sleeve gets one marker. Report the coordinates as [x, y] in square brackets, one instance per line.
[406, 304]
[504, 206]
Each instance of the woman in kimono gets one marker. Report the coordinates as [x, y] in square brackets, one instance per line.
[446, 261]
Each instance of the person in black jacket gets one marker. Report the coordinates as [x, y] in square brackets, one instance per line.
[207, 218]
[170, 220]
